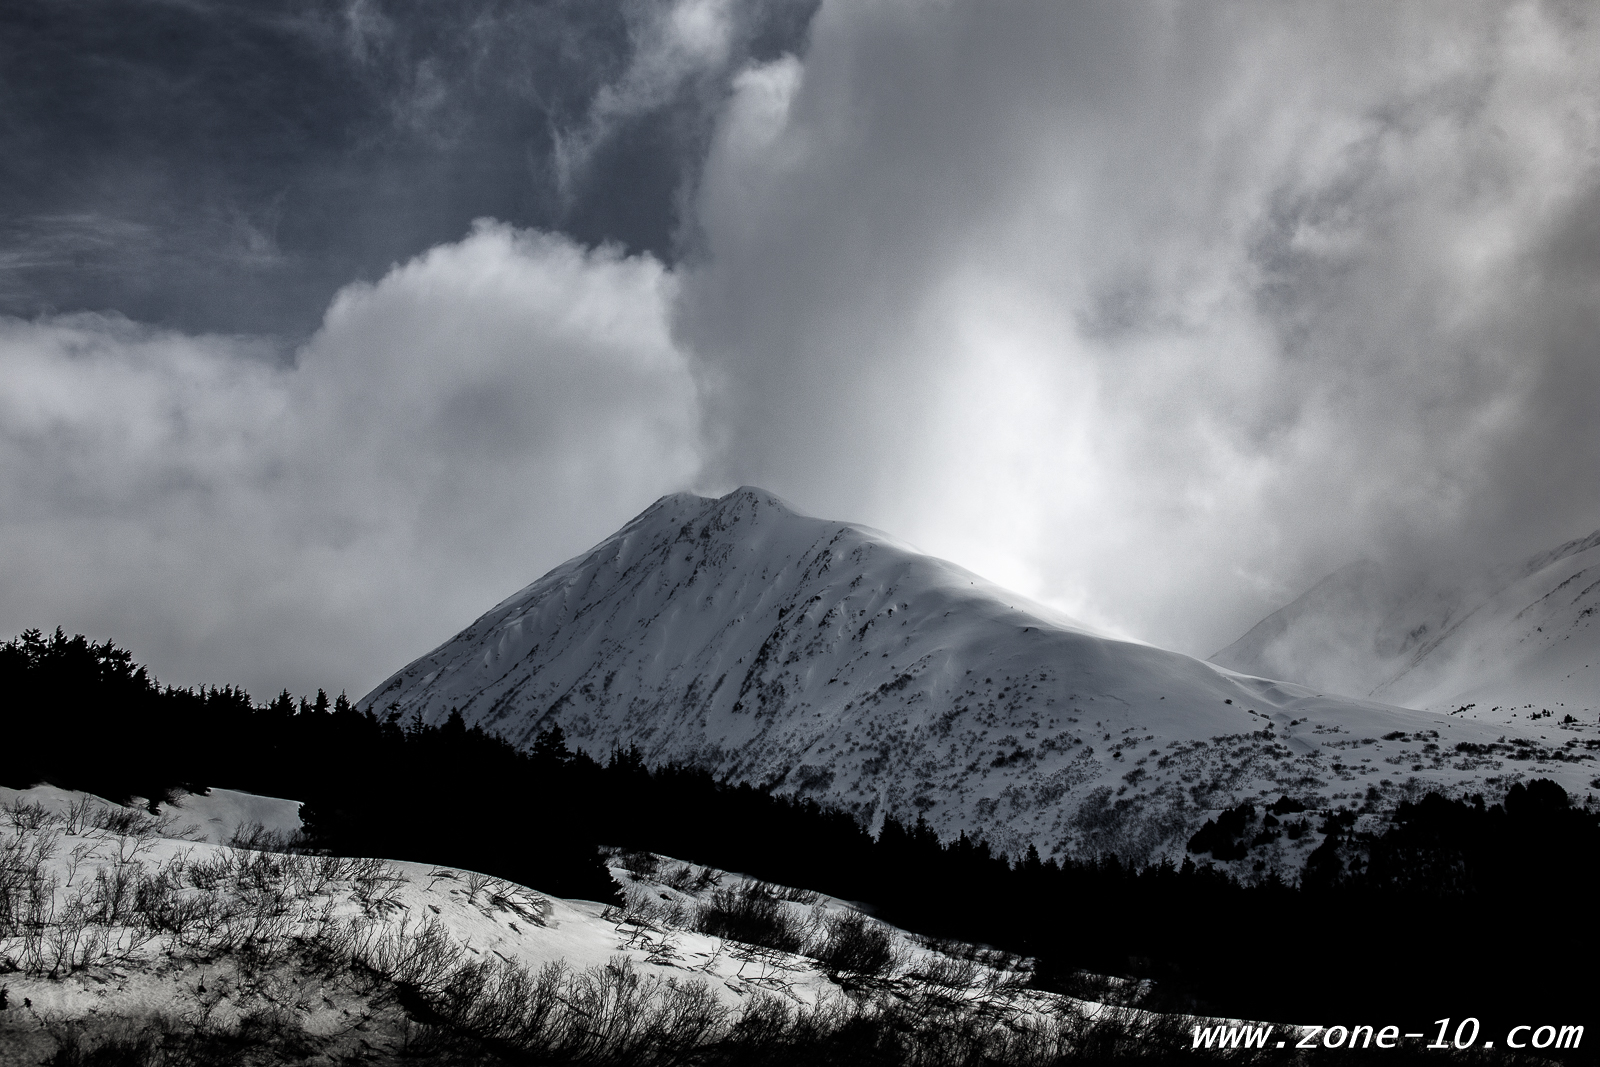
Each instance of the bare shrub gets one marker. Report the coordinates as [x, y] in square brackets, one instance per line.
[377, 885]
[945, 972]
[211, 872]
[637, 1020]
[751, 913]
[804, 897]
[270, 1035]
[476, 883]
[511, 1004]
[640, 864]
[124, 822]
[254, 837]
[680, 879]
[530, 907]
[80, 1043]
[29, 818]
[853, 944]
[78, 815]
[421, 956]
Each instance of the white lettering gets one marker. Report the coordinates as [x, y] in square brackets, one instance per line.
[1256, 1037]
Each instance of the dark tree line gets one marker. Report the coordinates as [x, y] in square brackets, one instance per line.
[1458, 909]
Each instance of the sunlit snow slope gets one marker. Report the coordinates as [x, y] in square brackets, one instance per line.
[834, 661]
[1525, 640]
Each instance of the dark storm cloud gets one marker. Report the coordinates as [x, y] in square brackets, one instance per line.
[229, 165]
[1158, 312]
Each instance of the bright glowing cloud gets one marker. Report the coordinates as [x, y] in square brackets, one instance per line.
[1162, 311]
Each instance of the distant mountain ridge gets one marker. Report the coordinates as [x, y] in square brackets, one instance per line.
[1523, 638]
[828, 659]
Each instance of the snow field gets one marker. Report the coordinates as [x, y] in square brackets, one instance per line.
[840, 664]
[109, 915]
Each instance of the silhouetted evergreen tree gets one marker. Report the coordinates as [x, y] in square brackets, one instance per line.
[1416, 925]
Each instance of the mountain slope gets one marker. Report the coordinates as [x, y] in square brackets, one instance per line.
[831, 660]
[1524, 639]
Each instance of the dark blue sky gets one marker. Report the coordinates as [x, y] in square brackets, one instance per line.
[226, 166]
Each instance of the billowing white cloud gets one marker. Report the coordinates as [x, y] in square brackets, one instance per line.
[1157, 312]
[1161, 311]
[450, 433]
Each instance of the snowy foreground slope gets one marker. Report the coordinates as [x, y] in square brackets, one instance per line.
[1522, 640]
[123, 932]
[836, 662]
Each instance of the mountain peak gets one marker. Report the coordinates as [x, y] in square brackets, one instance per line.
[1522, 636]
[828, 659]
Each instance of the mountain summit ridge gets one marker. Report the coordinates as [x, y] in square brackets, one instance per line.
[1519, 637]
[831, 660]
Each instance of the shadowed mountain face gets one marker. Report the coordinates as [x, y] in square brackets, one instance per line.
[1518, 640]
[830, 660]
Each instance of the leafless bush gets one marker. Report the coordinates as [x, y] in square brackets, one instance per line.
[422, 956]
[164, 908]
[75, 858]
[254, 837]
[751, 913]
[633, 1019]
[124, 822]
[27, 887]
[211, 872]
[314, 875]
[476, 883]
[854, 945]
[29, 818]
[126, 850]
[680, 879]
[529, 907]
[945, 972]
[269, 1034]
[78, 815]
[804, 897]
[640, 864]
[511, 1004]
[376, 884]
[258, 904]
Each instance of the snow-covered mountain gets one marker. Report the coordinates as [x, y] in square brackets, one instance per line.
[1521, 639]
[831, 660]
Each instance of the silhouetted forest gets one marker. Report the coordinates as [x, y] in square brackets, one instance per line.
[1458, 909]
